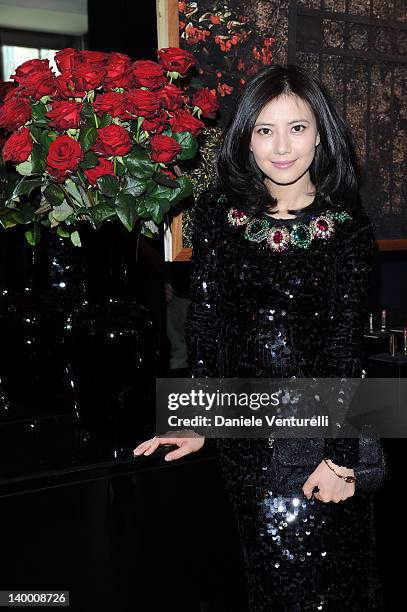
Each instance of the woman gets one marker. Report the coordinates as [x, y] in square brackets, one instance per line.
[281, 262]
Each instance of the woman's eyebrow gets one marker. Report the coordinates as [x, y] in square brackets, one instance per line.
[289, 123]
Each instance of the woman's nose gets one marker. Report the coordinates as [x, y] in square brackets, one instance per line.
[282, 144]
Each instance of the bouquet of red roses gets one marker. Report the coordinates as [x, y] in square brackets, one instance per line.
[101, 139]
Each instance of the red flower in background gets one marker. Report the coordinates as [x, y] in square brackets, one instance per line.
[112, 140]
[65, 115]
[87, 77]
[183, 121]
[66, 59]
[156, 125]
[206, 101]
[67, 88]
[112, 102]
[63, 157]
[14, 113]
[146, 73]
[176, 60]
[18, 147]
[170, 97]
[142, 103]
[117, 71]
[105, 166]
[164, 149]
[35, 79]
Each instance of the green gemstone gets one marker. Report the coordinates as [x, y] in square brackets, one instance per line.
[256, 230]
[301, 236]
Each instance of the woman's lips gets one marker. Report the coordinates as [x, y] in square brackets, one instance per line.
[283, 164]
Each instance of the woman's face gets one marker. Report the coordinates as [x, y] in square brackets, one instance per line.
[285, 131]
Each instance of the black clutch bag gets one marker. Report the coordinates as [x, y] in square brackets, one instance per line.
[294, 460]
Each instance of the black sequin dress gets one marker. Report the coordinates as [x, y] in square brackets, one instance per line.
[255, 311]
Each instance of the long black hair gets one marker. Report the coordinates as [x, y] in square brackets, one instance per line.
[334, 170]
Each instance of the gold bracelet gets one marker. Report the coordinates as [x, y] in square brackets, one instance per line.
[348, 479]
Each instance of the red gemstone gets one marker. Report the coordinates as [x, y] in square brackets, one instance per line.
[322, 225]
[277, 236]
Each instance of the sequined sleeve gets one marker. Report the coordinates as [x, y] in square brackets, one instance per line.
[342, 356]
[200, 327]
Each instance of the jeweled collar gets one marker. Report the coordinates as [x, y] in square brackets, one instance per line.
[281, 238]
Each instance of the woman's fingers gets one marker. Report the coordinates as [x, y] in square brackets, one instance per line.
[144, 446]
[183, 450]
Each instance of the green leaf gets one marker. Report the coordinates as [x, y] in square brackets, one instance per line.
[61, 231]
[76, 239]
[88, 115]
[157, 208]
[188, 143]
[26, 185]
[101, 212]
[164, 179]
[133, 186]
[139, 164]
[73, 190]
[186, 189]
[25, 168]
[87, 137]
[8, 220]
[126, 210]
[24, 215]
[174, 195]
[38, 159]
[38, 112]
[91, 160]
[36, 133]
[105, 120]
[33, 235]
[62, 212]
[120, 168]
[47, 136]
[54, 194]
[108, 185]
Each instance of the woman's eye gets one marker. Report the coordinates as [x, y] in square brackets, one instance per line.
[265, 131]
[298, 126]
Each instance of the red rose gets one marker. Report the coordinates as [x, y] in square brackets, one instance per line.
[156, 125]
[104, 166]
[142, 103]
[67, 88]
[36, 85]
[170, 97]
[183, 121]
[176, 60]
[149, 74]
[87, 77]
[18, 147]
[7, 89]
[63, 157]
[14, 113]
[96, 59]
[66, 59]
[113, 103]
[164, 148]
[206, 101]
[65, 115]
[112, 140]
[26, 68]
[117, 71]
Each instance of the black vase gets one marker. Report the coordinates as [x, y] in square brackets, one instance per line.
[111, 338]
[37, 286]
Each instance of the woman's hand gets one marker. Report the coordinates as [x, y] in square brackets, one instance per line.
[331, 487]
[187, 440]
